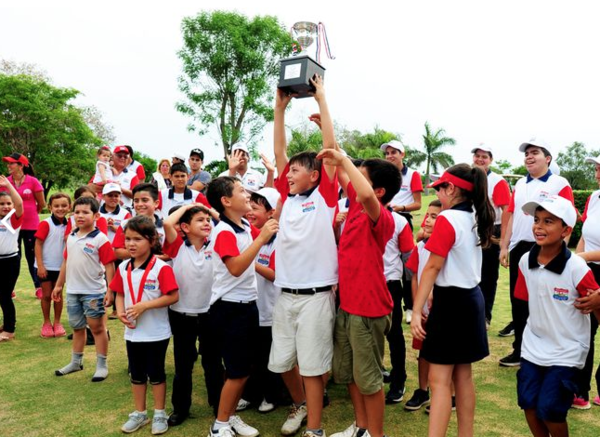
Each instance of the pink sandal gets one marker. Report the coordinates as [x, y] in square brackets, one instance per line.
[5, 336]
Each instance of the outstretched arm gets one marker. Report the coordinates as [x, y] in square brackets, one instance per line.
[326, 121]
[282, 100]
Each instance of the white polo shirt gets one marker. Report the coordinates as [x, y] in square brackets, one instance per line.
[529, 189]
[305, 248]
[52, 233]
[590, 231]
[194, 273]
[268, 293]
[153, 324]
[252, 180]
[411, 183]
[9, 242]
[557, 333]
[498, 193]
[229, 239]
[127, 179]
[119, 240]
[401, 242]
[118, 216]
[168, 198]
[455, 238]
[86, 257]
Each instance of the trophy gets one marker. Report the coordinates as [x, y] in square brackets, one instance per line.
[296, 71]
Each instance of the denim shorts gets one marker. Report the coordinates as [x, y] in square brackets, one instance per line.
[82, 306]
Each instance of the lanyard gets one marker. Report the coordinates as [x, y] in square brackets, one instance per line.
[142, 282]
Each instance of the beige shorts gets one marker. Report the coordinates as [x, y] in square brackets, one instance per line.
[303, 333]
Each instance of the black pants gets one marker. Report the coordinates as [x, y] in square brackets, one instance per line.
[9, 272]
[490, 266]
[395, 338]
[147, 361]
[585, 375]
[520, 308]
[406, 278]
[187, 330]
[27, 236]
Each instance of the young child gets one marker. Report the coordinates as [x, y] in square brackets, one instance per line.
[86, 191]
[307, 266]
[9, 254]
[556, 338]
[49, 248]
[111, 210]
[145, 287]
[453, 270]
[416, 263]
[233, 310]
[88, 257]
[179, 193]
[103, 171]
[189, 318]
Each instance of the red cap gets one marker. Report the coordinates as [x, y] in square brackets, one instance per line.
[121, 149]
[16, 157]
[455, 180]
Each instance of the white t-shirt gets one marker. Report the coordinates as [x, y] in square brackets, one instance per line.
[498, 193]
[401, 242]
[52, 233]
[128, 179]
[252, 180]
[118, 216]
[107, 172]
[9, 242]
[168, 198]
[411, 183]
[268, 293]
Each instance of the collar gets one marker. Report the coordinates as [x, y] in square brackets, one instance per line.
[463, 206]
[272, 239]
[404, 170]
[558, 263]
[57, 221]
[158, 221]
[305, 193]
[235, 226]
[92, 234]
[543, 178]
[188, 243]
[488, 172]
[143, 265]
[187, 193]
[104, 211]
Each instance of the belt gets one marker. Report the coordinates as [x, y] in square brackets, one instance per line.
[313, 290]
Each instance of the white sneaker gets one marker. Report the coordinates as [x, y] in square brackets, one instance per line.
[242, 404]
[266, 407]
[226, 431]
[348, 432]
[312, 434]
[241, 428]
[408, 316]
[295, 419]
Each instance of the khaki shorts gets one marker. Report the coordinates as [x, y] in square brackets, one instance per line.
[358, 350]
[303, 333]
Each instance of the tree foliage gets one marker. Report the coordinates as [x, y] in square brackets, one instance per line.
[574, 168]
[230, 64]
[433, 143]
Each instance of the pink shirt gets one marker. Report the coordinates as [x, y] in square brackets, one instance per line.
[27, 191]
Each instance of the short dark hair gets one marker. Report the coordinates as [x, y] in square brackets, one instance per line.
[59, 195]
[83, 189]
[383, 174]
[147, 187]
[435, 203]
[260, 200]
[178, 167]
[190, 213]
[92, 202]
[220, 187]
[307, 160]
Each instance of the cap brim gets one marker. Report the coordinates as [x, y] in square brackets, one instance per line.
[9, 159]
[593, 160]
[435, 183]
[530, 207]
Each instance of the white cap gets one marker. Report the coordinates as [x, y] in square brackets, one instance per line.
[394, 144]
[111, 187]
[593, 160]
[484, 148]
[239, 146]
[271, 194]
[555, 205]
[179, 156]
[537, 142]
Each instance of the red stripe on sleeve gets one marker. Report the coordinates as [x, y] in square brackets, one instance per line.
[587, 203]
[567, 193]
[406, 243]
[501, 194]
[511, 204]
[172, 249]
[166, 280]
[116, 284]
[329, 188]
[588, 282]
[226, 245]
[521, 291]
[106, 253]
[42, 231]
[102, 225]
[416, 184]
[413, 262]
[281, 183]
[442, 238]
[272, 261]
[201, 198]
[141, 172]
[119, 240]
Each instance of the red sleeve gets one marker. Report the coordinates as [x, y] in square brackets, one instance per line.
[119, 240]
[172, 249]
[141, 173]
[106, 252]
[511, 204]
[416, 184]
[201, 198]
[406, 243]
[501, 194]
[281, 183]
[587, 203]
[328, 188]
[15, 221]
[127, 216]
[116, 284]
[102, 225]
[567, 193]
[254, 231]
[383, 230]
[166, 280]
[413, 262]
[442, 238]
[134, 182]
[160, 201]
[521, 291]
[65, 252]
[272, 261]
[588, 282]
[226, 245]
[42, 230]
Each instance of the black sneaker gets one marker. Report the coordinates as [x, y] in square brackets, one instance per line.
[419, 399]
[511, 360]
[387, 376]
[428, 407]
[507, 331]
[395, 396]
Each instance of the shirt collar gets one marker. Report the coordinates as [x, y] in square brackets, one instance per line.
[104, 211]
[57, 221]
[543, 178]
[404, 170]
[92, 234]
[463, 206]
[238, 229]
[143, 265]
[304, 193]
[158, 221]
[187, 193]
[188, 243]
[558, 263]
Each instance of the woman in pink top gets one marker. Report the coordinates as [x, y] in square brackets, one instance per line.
[32, 193]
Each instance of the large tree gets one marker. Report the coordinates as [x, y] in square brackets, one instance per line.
[433, 143]
[230, 64]
[574, 168]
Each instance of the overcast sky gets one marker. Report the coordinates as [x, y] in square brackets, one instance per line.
[492, 72]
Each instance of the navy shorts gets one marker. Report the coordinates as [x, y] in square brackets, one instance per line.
[547, 390]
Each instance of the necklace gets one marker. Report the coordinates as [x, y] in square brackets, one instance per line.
[21, 179]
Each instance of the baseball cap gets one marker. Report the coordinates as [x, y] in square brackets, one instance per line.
[197, 152]
[484, 148]
[271, 194]
[16, 157]
[111, 188]
[555, 205]
[593, 160]
[455, 180]
[394, 143]
[537, 142]
[241, 147]
[178, 156]
[121, 149]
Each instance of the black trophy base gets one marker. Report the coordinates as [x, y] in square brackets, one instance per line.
[295, 75]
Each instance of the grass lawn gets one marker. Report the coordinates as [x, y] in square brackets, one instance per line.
[34, 402]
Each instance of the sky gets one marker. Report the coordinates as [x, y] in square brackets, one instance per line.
[497, 73]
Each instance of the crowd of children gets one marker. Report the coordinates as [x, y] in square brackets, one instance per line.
[276, 282]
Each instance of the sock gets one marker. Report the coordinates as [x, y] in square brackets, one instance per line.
[315, 431]
[75, 365]
[158, 413]
[101, 369]
[360, 432]
[218, 425]
[145, 412]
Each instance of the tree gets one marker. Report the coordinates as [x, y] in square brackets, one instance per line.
[501, 166]
[434, 157]
[94, 119]
[573, 167]
[230, 64]
[38, 120]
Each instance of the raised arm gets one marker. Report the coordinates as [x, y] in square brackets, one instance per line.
[282, 100]
[14, 195]
[326, 121]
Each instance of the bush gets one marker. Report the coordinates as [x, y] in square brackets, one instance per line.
[581, 197]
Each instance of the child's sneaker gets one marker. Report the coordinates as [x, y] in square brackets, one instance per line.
[266, 406]
[47, 331]
[59, 330]
[159, 424]
[351, 431]
[241, 428]
[242, 405]
[135, 422]
[419, 399]
[579, 403]
[313, 434]
[226, 431]
[597, 400]
[294, 420]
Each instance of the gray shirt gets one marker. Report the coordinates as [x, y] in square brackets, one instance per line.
[202, 176]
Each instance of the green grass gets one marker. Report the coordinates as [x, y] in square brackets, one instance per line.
[34, 402]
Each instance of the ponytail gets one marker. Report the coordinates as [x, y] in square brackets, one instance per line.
[28, 170]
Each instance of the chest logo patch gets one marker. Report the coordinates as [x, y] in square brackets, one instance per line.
[308, 206]
[561, 294]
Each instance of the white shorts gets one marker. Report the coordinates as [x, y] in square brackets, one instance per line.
[303, 333]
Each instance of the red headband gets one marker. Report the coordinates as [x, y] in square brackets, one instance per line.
[455, 180]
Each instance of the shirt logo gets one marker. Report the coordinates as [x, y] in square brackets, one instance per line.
[207, 255]
[308, 206]
[544, 195]
[263, 259]
[150, 284]
[561, 294]
[89, 248]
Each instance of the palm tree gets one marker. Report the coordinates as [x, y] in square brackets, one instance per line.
[435, 158]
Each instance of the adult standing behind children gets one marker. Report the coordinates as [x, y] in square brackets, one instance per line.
[162, 177]
[135, 166]
[198, 178]
[252, 180]
[31, 192]
[126, 178]
[517, 236]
